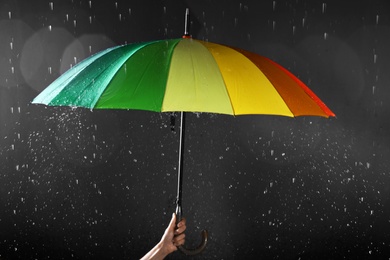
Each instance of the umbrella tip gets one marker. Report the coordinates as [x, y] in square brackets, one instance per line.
[186, 24]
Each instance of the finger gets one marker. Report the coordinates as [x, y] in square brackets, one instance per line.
[182, 222]
[179, 240]
[180, 230]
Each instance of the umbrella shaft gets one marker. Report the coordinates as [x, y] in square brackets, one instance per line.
[180, 166]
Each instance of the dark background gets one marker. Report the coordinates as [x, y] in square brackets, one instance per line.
[80, 184]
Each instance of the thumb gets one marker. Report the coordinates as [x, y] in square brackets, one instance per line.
[172, 224]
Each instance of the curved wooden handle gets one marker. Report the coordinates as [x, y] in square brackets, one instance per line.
[200, 248]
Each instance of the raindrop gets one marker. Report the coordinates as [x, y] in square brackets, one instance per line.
[323, 8]
[12, 70]
[325, 36]
[273, 25]
[11, 45]
[293, 180]
[51, 6]
[272, 152]
[293, 29]
[373, 90]
[12, 110]
[129, 11]
[303, 21]
[375, 57]
[120, 17]
[74, 23]
[49, 28]
[377, 18]
[90, 4]
[90, 19]
[273, 5]
[165, 9]
[49, 70]
[67, 17]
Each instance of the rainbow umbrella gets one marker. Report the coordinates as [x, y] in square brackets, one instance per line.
[185, 75]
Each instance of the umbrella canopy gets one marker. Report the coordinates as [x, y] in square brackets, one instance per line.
[183, 75]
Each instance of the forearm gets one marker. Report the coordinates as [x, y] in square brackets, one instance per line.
[156, 253]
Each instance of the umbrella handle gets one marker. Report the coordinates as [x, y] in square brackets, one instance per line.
[205, 235]
[198, 249]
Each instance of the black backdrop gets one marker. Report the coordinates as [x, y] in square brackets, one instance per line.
[80, 184]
